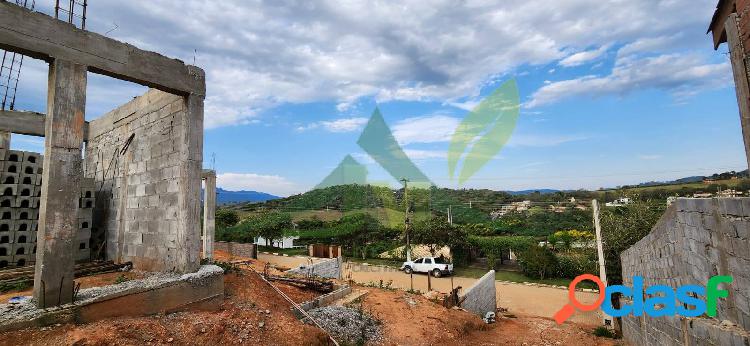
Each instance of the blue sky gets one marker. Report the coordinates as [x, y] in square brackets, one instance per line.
[612, 92]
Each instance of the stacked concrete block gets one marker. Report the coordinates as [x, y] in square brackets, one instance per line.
[20, 190]
[694, 240]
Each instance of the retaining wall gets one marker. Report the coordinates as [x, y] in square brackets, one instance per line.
[481, 298]
[237, 249]
[327, 269]
[694, 240]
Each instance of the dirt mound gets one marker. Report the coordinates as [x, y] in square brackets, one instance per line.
[252, 313]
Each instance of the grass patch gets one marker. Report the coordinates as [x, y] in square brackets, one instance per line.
[18, 286]
[121, 278]
[604, 332]
[291, 252]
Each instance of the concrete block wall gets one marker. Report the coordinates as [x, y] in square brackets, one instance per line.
[237, 249]
[20, 178]
[327, 269]
[146, 159]
[694, 240]
[481, 298]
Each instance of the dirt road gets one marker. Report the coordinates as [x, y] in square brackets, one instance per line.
[521, 299]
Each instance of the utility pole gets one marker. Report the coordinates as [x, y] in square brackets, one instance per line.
[600, 253]
[406, 219]
[450, 216]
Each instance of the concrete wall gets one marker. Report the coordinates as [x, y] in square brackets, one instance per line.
[694, 240]
[146, 158]
[481, 298]
[328, 269]
[237, 249]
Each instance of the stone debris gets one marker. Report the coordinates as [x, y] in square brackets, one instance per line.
[349, 325]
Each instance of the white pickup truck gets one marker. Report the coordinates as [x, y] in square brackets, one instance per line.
[431, 265]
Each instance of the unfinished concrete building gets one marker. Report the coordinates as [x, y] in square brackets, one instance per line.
[144, 158]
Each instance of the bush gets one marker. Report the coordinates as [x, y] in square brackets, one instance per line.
[493, 247]
[570, 265]
[602, 331]
[226, 218]
[538, 262]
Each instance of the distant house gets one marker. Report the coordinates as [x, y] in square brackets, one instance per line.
[622, 201]
[729, 193]
[512, 207]
[283, 243]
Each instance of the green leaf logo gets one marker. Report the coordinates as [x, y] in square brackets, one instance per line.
[484, 131]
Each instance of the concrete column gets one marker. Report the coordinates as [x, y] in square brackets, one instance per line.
[4, 141]
[209, 214]
[61, 184]
[742, 85]
[187, 252]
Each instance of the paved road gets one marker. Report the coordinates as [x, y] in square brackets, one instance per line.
[516, 297]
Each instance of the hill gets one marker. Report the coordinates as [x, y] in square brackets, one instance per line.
[229, 197]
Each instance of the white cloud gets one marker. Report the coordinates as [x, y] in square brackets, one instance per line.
[652, 44]
[421, 155]
[273, 184]
[680, 75]
[427, 129]
[258, 55]
[581, 58]
[338, 125]
[528, 140]
[650, 157]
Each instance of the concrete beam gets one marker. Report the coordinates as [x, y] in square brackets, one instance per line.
[61, 185]
[42, 37]
[28, 123]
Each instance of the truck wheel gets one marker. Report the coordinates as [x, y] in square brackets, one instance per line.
[436, 273]
[407, 270]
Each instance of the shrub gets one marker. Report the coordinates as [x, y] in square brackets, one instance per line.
[602, 331]
[570, 265]
[537, 262]
[493, 247]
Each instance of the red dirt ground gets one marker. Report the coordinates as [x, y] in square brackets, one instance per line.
[252, 313]
[255, 314]
[410, 319]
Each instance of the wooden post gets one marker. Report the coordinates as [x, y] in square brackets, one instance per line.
[600, 252]
[429, 282]
[61, 184]
[739, 69]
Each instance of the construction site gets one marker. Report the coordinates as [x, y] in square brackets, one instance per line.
[108, 235]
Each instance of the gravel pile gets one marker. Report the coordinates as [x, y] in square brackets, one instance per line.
[346, 324]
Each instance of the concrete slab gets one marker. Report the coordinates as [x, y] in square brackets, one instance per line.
[159, 293]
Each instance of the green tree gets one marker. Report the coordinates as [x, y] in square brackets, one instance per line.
[436, 233]
[226, 218]
[537, 262]
[269, 225]
[621, 228]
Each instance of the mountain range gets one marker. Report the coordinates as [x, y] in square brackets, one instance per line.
[228, 197]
